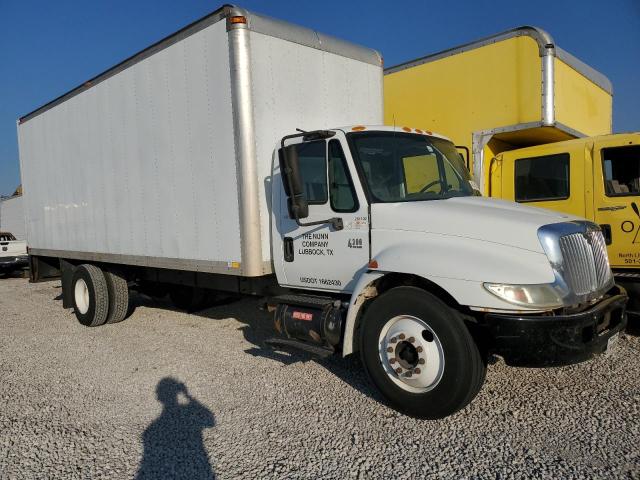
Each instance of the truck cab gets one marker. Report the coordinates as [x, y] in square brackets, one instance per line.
[382, 221]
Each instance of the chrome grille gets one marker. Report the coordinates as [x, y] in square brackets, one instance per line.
[586, 262]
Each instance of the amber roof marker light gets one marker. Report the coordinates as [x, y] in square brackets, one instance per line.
[238, 19]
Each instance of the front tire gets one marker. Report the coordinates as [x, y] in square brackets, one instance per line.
[90, 295]
[419, 353]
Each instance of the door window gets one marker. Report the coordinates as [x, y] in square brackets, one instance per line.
[312, 158]
[621, 167]
[542, 178]
[343, 196]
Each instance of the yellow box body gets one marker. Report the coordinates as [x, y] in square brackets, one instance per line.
[496, 85]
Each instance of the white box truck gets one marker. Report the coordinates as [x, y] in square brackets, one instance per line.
[182, 167]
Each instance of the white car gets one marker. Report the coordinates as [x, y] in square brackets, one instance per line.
[13, 253]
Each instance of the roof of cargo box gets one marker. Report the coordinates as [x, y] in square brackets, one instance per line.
[252, 21]
[546, 46]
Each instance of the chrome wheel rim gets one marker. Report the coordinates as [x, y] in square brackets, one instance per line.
[411, 354]
[81, 292]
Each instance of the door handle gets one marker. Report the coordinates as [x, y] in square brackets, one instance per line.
[288, 249]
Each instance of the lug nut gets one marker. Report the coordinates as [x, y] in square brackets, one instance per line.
[421, 361]
[417, 371]
[408, 374]
[390, 350]
[393, 340]
[398, 370]
[401, 336]
[411, 339]
[392, 361]
[419, 349]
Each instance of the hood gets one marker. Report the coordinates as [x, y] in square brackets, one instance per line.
[486, 219]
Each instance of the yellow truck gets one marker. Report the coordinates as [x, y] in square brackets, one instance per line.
[533, 124]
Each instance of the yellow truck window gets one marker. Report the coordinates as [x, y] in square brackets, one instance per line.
[542, 178]
[621, 166]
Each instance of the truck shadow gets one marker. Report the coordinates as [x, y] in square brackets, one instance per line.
[257, 327]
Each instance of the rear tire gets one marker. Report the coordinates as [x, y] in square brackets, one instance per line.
[90, 295]
[118, 289]
[419, 354]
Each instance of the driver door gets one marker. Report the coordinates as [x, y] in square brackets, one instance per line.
[322, 257]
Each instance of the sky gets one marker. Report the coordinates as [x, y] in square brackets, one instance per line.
[49, 47]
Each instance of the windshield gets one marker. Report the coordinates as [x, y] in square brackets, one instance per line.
[404, 167]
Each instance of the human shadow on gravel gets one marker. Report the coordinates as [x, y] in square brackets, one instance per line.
[173, 445]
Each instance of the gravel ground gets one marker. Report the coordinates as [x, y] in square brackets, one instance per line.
[88, 403]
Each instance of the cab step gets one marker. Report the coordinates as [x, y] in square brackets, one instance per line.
[316, 350]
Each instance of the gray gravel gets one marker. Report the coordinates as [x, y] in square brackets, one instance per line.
[81, 403]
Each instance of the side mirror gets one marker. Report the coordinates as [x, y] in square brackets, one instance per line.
[293, 187]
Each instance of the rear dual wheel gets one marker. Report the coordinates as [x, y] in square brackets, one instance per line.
[419, 353]
[99, 297]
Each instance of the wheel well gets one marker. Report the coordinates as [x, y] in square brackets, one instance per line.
[392, 280]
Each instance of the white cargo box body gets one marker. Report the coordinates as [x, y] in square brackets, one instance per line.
[164, 160]
[12, 216]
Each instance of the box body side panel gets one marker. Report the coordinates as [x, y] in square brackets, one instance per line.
[492, 86]
[295, 86]
[142, 164]
[580, 103]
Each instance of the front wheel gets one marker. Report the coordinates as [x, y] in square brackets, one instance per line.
[419, 353]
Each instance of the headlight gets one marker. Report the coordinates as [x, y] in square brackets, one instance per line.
[545, 295]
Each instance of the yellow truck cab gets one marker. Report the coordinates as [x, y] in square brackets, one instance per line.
[533, 124]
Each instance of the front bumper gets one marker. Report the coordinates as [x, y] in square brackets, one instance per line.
[10, 264]
[546, 341]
